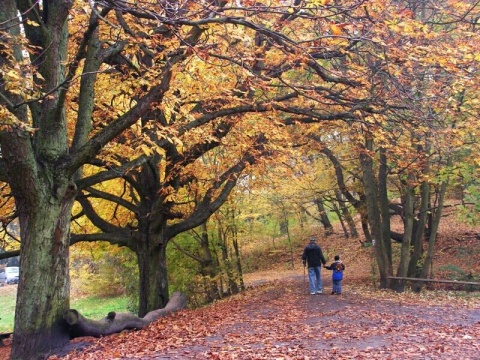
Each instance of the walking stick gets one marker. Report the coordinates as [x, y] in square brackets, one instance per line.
[304, 274]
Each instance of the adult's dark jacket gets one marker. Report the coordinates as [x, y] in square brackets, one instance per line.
[313, 255]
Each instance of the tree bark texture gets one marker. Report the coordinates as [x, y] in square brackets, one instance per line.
[153, 281]
[114, 323]
[42, 189]
[44, 284]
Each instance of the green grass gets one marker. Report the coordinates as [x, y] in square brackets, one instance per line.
[97, 308]
[7, 309]
[91, 307]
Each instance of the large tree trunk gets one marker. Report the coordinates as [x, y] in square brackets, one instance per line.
[153, 282]
[42, 188]
[150, 246]
[43, 290]
[115, 323]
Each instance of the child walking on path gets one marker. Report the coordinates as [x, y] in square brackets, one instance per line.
[337, 275]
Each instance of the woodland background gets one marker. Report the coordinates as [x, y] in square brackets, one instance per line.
[376, 324]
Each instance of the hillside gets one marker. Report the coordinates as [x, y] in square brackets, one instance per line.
[457, 254]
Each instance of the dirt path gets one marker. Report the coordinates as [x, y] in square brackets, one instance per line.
[281, 320]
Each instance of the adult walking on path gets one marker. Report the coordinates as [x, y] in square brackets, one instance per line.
[313, 257]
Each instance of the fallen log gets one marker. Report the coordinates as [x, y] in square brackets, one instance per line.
[114, 323]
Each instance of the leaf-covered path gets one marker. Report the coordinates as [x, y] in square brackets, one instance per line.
[281, 320]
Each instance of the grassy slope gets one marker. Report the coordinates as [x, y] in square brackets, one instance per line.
[91, 307]
[7, 307]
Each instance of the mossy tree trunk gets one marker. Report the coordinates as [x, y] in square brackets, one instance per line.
[42, 152]
[42, 186]
[43, 292]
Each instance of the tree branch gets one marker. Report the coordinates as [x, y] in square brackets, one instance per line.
[9, 254]
[112, 173]
[112, 238]
[99, 222]
[227, 182]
